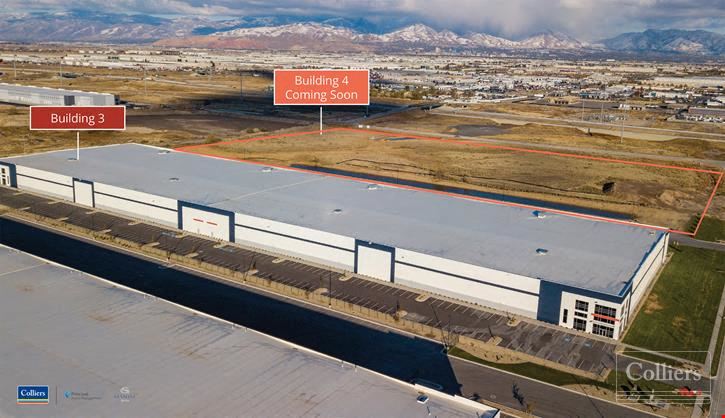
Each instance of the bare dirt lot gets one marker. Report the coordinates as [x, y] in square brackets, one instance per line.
[651, 195]
[169, 129]
[172, 109]
[204, 124]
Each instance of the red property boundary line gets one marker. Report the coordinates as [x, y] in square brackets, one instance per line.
[194, 149]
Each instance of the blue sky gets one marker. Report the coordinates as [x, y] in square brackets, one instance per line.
[585, 19]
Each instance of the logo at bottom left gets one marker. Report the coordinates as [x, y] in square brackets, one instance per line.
[33, 394]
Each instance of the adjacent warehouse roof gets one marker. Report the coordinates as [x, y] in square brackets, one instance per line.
[594, 255]
[31, 95]
[77, 333]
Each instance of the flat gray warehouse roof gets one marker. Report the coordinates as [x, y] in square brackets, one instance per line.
[595, 255]
[48, 90]
[74, 332]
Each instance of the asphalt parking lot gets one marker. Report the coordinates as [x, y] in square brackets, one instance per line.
[537, 339]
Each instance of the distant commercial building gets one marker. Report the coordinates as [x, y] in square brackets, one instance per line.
[578, 273]
[706, 111]
[694, 81]
[704, 114]
[668, 95]
[44, 96]
[630, 106]
[107, 350]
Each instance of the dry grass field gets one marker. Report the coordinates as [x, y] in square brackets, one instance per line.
[423, 121]
[634, 118]
[160, 87]
[651, 195]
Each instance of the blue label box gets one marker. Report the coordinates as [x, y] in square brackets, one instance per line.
[33, 394]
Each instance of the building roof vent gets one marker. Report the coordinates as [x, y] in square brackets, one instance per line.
[337, 211]
[373, 187]
[542, 251]
[540, 214]
[267, 169]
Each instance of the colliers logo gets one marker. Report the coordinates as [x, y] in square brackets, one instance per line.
[33, 395]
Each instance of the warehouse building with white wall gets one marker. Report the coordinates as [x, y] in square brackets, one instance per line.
[45, 96]
[579, 273]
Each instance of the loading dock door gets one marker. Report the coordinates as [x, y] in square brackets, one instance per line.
[83, 192]
[207, 223]
[375, 261]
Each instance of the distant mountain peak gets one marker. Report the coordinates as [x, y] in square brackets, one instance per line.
[318, 31]
[553, 40]
[698, 42]
[420, 33]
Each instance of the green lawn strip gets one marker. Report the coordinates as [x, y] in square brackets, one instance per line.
[711, 229]
[561, 378]
[534, 371]
[679, 314]
[718, 349]
[654, 358]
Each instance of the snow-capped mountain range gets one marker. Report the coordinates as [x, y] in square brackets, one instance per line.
[414, 35]
[324, 33]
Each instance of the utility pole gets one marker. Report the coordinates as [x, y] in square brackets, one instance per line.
[624, 116]
[145, 89]
[15, 69]
[60, 72]
[241, 85]
[582, 108]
